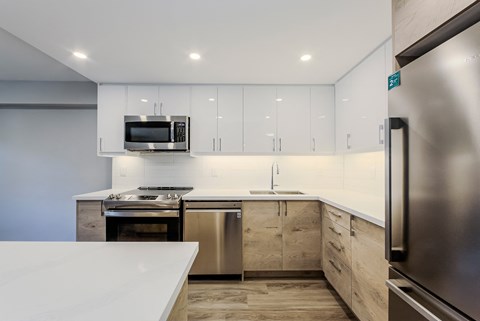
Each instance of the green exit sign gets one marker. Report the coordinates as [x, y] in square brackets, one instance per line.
[394, 80]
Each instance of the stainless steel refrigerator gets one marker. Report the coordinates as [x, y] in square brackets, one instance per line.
[433, 184]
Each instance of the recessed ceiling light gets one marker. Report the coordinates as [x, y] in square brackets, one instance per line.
[143, 100]
[345, 99]
[267, 117]
[211, 99]
[80, 55]
[306, 57]
[194, 56]
[279, 99]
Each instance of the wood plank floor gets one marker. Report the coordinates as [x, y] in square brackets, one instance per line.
[278, 299]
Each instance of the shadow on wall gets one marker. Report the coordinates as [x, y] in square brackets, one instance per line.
[46, 157]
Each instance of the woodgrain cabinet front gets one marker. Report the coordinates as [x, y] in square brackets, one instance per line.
[281, 236]
[90, 221]
[369, 271]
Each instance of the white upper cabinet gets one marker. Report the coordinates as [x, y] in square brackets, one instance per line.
[230, 119]
[142, 100]
[174, 100]
[322, 119]
[203, 121]
[293, 119]
[361, 105]
[112, 105]
[259, 119]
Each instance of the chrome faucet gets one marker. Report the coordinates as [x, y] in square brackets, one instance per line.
[272, 186]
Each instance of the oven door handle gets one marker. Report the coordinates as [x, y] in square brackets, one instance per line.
[140, 213]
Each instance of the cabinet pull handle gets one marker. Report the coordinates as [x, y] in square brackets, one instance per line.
[314, 144]
[213, 144]
[161, 108]
[335, 214]
[286, 208]
[100, 144]
[220, 144]
[280, 141]
[273, 144]
[279, 207]
[348, 141]
[335, 266]
[334, 231]
[334, 246]
[155, 109]
[380, 134]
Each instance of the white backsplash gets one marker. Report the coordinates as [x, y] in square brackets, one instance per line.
[357, 172]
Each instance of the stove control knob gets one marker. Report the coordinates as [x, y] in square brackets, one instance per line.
[111, 197]
[175, 196]
[118, 196]
[169, 196]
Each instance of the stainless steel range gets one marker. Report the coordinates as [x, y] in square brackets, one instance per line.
[145, 214]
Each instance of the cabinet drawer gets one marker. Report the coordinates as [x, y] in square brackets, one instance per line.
[337, 239]
[338, 274]
[338, 216]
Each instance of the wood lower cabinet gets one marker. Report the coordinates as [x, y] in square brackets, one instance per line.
[262, 236]
[90, 221]
[180, 309]
[369, 271]
[281, 236]
[337, 255]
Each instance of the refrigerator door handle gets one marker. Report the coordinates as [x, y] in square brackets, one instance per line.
[402, 289]
[396, 148]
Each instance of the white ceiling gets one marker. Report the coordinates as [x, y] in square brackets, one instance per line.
[19, 61]
[241, 41]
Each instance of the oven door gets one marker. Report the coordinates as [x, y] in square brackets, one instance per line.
[143, 226]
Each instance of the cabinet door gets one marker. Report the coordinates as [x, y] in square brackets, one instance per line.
[344, 102]
[322, 119]
[260, 119]
[369, 271]
[302, 236]
[174, 100]
[230, 119]
[262, 236]
[142, 100]
[111, 108]
[293, 119]
[203, 131]
[90, 222]
[369, 93]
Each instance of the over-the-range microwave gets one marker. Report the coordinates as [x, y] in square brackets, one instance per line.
[157, 133]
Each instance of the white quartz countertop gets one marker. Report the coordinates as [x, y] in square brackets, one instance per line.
[367, 207]
[94, 281]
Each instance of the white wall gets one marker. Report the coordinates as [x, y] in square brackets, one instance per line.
[46, 157]
[356, 172]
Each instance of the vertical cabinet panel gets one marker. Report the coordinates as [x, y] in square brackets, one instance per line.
[203, 131]
[174, 100]
[369, 271]
[293, 119]
[112, 100]
[142, 100]
[259, 119]
[302, 236]
[230, 119]
[262, 236]
[322, 119]
[343, 113]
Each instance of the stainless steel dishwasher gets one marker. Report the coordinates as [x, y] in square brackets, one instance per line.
[217, 226]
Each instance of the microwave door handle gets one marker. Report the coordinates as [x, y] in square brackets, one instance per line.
[172, 131]
[396, 204]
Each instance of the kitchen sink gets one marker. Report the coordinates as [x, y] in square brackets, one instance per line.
[266, 192]
[270, 192]
[289, 193]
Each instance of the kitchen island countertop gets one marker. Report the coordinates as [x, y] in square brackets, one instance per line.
[95, 281]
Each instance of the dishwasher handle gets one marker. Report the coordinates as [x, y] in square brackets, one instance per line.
[214, 211]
